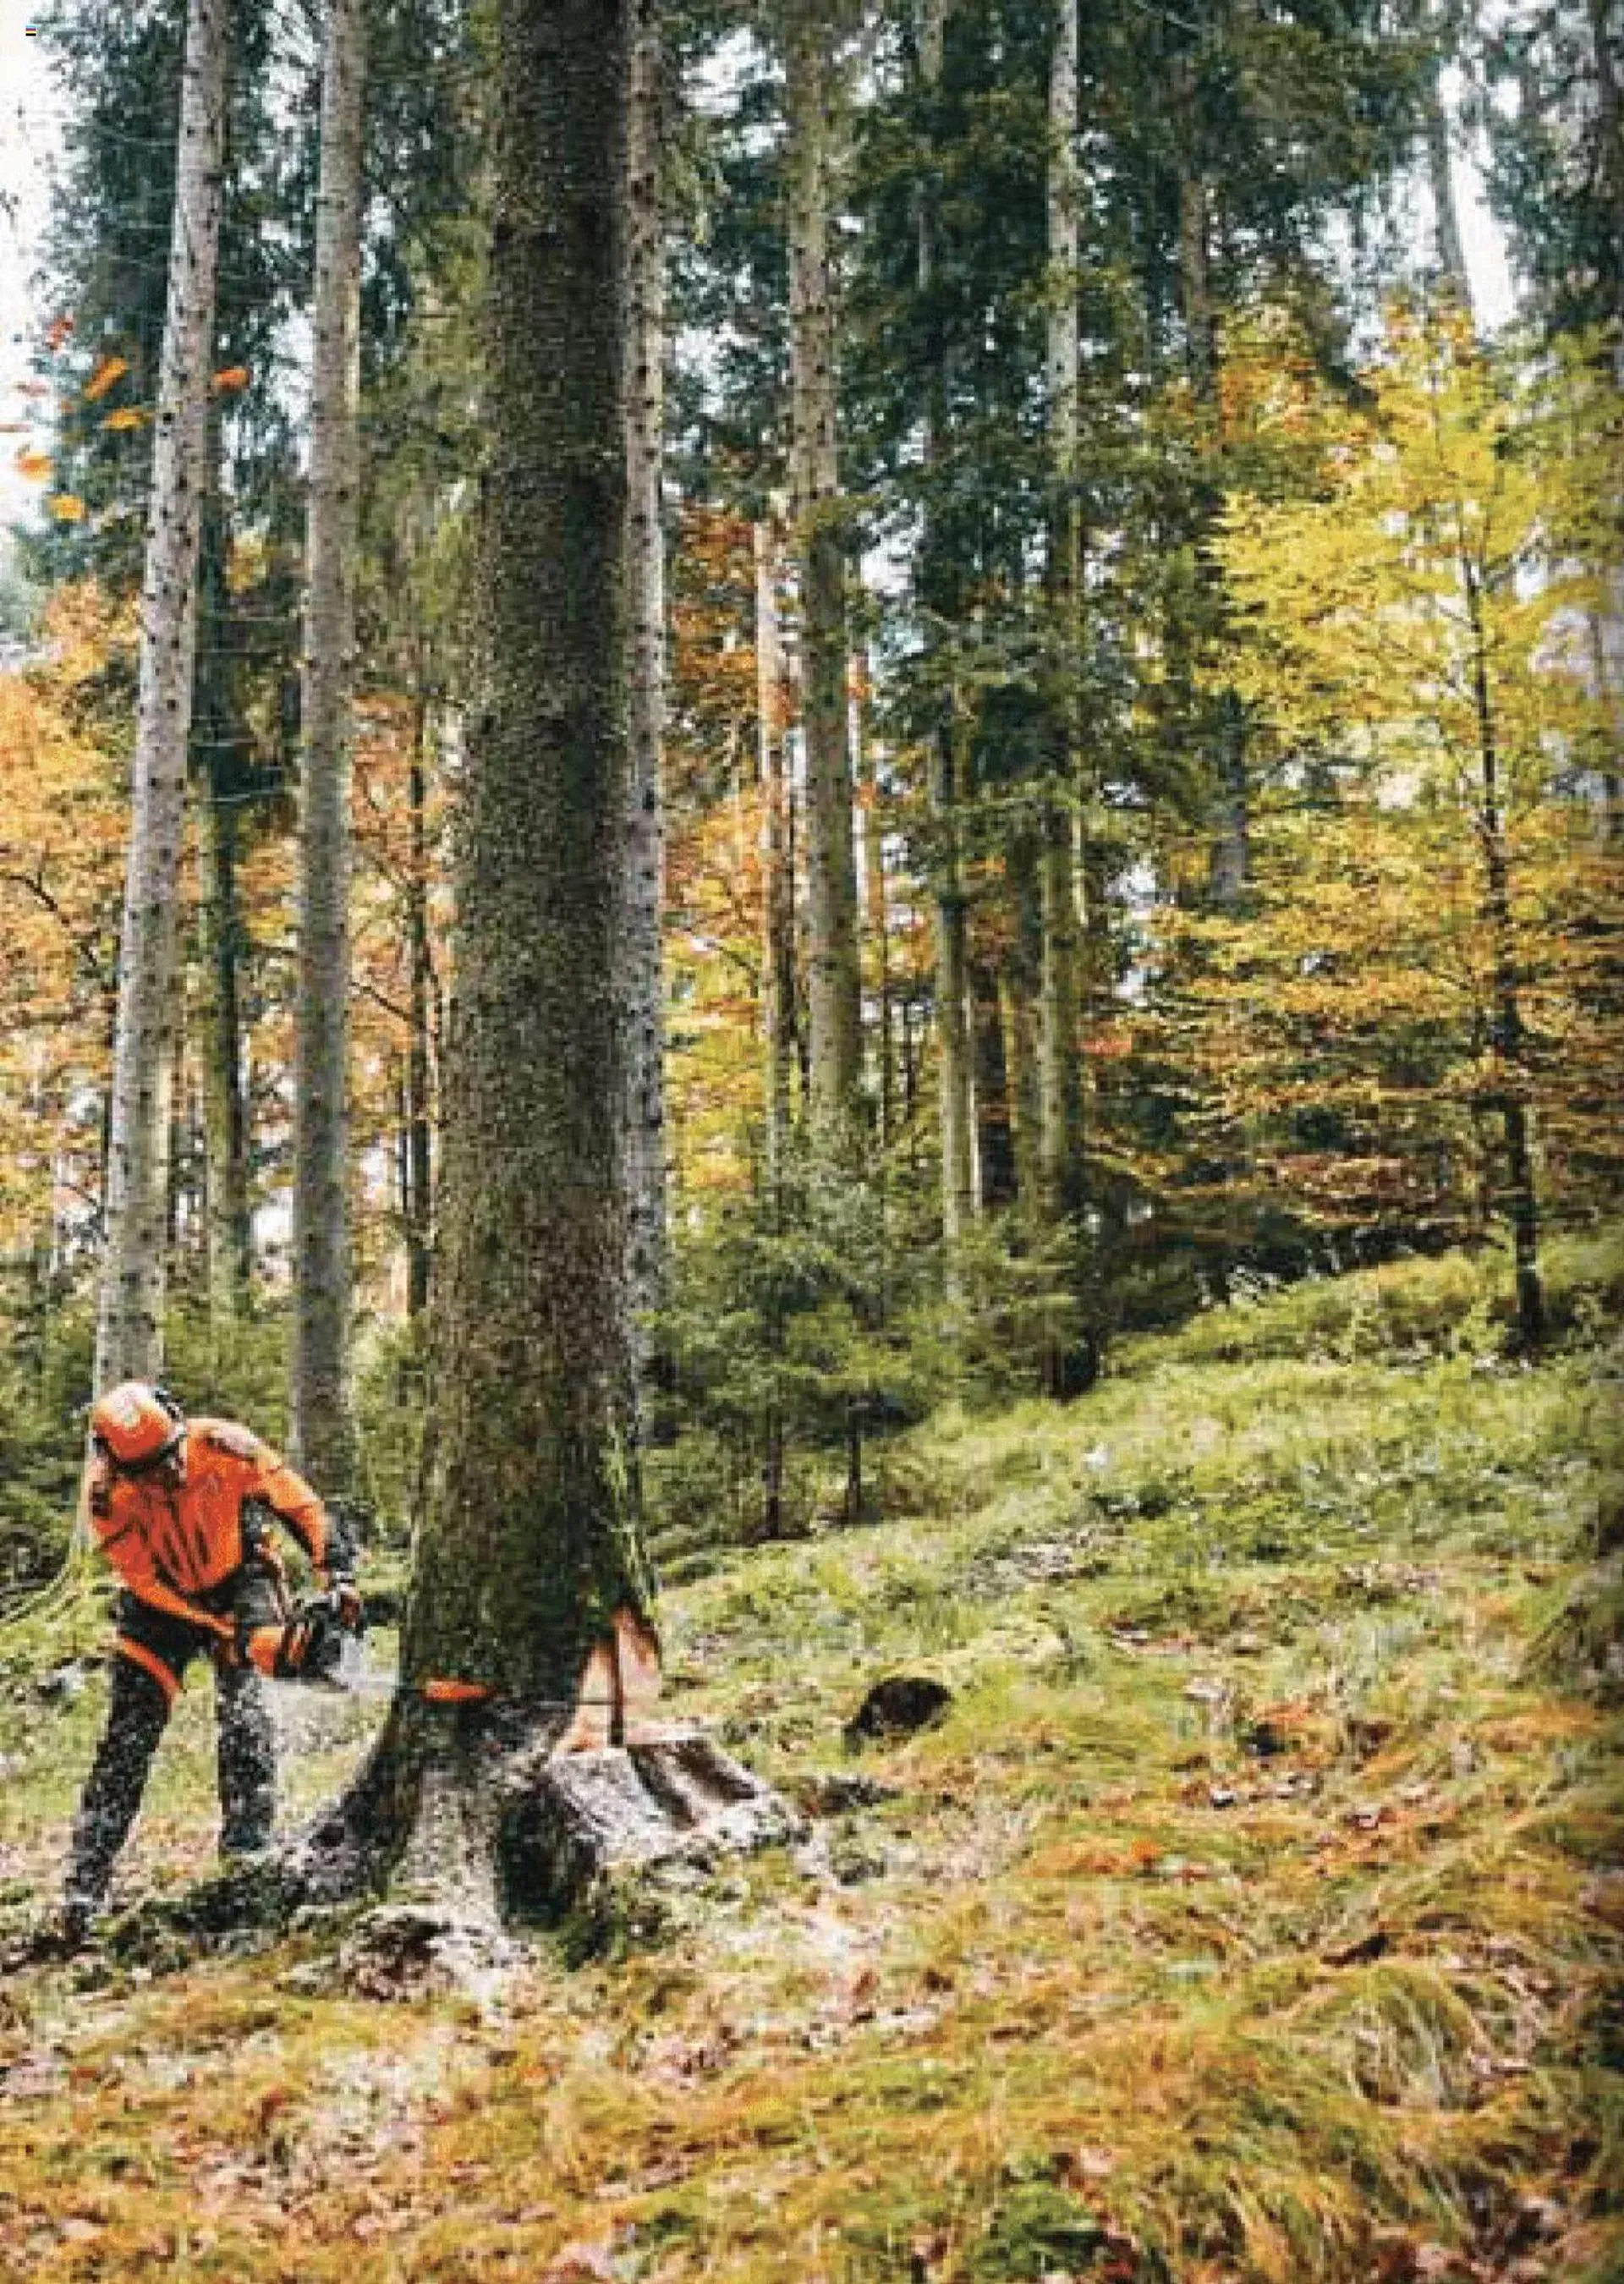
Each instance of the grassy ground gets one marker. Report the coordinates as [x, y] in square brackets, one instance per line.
[1254, 1913]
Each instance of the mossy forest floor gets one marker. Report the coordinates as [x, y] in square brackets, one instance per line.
[1255, 1913]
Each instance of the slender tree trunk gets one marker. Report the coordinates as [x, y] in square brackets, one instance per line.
[1060, 1168]
[1194, 233]
[128, 1334]
[1059, 1072]
[224, 1095]
[778, 882]
[1448, 251]
[1021, 989]
[834, 987]
[1610, 130]
[1606, 631]
[1507, 1033]
[952, 1001]
[220, 742]
[995, 1156]
[645, 1137]
[418, 1105]
[778, 970]
[939, 584]
[1231, 862]
[323, 1428]
[876, 930]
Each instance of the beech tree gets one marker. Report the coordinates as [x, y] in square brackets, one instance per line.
[129, 1338]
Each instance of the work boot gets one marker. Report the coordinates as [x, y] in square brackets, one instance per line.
[71, 1929]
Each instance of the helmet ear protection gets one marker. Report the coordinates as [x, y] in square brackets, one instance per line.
[135, 1426]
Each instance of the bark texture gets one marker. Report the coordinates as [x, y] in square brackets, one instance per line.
[323, 1436]
[531, 1539]
[779, 893]
[1507, 1031]
[834, 1011]
[128, 1334]
[645, 1137]
[1059, 1069]
[939, 585]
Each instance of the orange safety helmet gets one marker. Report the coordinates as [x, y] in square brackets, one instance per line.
[135, 1426]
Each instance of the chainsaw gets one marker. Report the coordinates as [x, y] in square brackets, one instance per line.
[314, 1641]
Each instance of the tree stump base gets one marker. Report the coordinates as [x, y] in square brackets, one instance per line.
[601, 1840]
[579, 1819]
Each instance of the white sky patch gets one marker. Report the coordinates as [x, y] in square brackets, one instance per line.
[1488, 273]
[30, 137]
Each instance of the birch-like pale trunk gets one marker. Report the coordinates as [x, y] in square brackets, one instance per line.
[833, 993]
[778, 866]
[1060, 1071]
[220, 739]
[1447, 246]
[778, 964]
[877, 927]
[130, 1313]
[645, 567]
[323, 1431]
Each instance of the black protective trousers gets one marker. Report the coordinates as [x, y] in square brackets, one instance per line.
[138, 1715]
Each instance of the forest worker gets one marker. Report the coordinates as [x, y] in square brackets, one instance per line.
[179, 1509]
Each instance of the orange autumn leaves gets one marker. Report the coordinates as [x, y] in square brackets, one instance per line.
[112, 366]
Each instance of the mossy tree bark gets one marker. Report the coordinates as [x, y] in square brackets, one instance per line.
[323, 1429]
[128, 1332]
[645, 1136]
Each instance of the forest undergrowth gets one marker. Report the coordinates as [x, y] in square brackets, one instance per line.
[1253, 1912]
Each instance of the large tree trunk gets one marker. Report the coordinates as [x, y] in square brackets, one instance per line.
[323, 1429]
[833, 986]
[128, 1332]
[516, 1767]
[645, 1137]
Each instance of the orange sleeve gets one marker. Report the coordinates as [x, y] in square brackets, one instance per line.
[124, 1544]
[291, 1498]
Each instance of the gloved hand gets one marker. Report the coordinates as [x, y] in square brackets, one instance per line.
[348, 1606]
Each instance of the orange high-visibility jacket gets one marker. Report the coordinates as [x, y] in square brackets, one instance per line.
[170, 1542]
